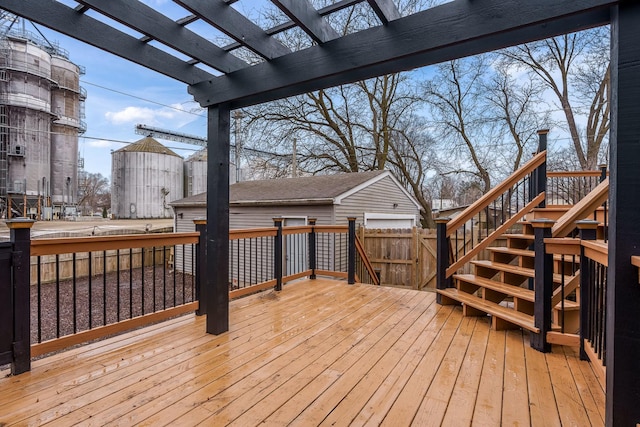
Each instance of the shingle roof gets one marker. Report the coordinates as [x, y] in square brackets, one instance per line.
[147, 145]
[318, 189]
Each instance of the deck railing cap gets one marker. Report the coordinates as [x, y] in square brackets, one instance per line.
[19, 223]
[542, 223]
[587, 224]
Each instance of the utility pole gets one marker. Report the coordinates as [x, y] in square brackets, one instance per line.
[237, 115]
[294, 160]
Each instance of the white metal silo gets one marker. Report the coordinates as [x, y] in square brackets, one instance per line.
[195, 173]
[146, 176]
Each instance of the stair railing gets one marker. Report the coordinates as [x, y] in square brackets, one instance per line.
[463, 237]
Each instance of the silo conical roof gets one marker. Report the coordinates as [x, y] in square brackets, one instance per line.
[147, 145]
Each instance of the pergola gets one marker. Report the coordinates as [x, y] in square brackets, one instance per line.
[221, 81]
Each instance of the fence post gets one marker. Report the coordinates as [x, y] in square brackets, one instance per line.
[201, 265]
[442, 256]
[588, 230]
[277, 253]
[20, 232]
[351, 262]
[312, 247]
[541, 171]
[543, 284]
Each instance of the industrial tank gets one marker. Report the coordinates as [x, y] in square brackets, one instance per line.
[195, 173]
[66, 98]
[146, 176]
[25, 108]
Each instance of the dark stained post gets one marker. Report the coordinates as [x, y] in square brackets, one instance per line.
[216, 280]
[541, 171]
[623, 290]
[20, 232]
[543, 284]
[588, 229]
[442, 259]
[277, 253]
[201, 266]
[351, 262]
[312, 247]
[603, 171]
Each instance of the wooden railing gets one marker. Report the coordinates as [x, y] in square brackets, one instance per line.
[89, 287]
[489, 217]
[569, 187]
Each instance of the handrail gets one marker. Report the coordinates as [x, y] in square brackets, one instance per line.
[496, 191]
[580, 210]
[570, 174]
[366, 262]
[495, 234]
[101, 243]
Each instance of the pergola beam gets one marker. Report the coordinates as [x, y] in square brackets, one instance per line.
[221, 15]
[306, 17]
[157, 26]
[449, 31]
[385, 9]
[66, 20]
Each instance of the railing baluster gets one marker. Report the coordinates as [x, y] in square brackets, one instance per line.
[104, 288]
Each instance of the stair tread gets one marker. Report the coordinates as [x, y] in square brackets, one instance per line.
[519, 252]
[514, 291]
[522, 271]
[519, 236]
[513, 251]
[517, 318]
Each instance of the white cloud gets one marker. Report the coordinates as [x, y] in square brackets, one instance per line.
[101, 143]
[172, 117]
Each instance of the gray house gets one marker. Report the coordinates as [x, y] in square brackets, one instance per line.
[375, 198]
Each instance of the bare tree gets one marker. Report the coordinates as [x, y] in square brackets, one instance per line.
[94, 192]
[575, 68]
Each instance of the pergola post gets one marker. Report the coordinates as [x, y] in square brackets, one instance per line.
[216, 281]
[623, 289]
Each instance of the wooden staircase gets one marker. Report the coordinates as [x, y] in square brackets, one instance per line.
[500, 283]
[501, 287]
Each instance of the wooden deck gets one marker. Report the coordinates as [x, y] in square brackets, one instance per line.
[318, 353]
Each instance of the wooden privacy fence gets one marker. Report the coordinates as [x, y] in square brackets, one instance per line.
[407, 257]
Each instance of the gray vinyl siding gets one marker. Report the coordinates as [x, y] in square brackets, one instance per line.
[262, 216]
[378, 197]
[185, 225]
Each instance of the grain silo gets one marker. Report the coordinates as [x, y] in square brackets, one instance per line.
[40, 104]
[66, 103]
[195, 173]
[145, 176]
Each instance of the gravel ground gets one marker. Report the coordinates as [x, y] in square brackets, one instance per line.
[105, 300]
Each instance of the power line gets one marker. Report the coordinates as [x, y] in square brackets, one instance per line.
[143, 99]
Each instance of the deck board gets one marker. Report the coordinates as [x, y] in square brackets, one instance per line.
[317, 353]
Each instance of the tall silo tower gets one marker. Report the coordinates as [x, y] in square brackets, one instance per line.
[145, 177]
[40, 112]
[67, 100]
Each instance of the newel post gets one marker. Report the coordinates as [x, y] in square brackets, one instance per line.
[442, 258]
[201, 265]
[312, 248]
[588, 230]
[277, 253]
[20, 232]
[541, 171]
[351, 263]
[543, 284]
